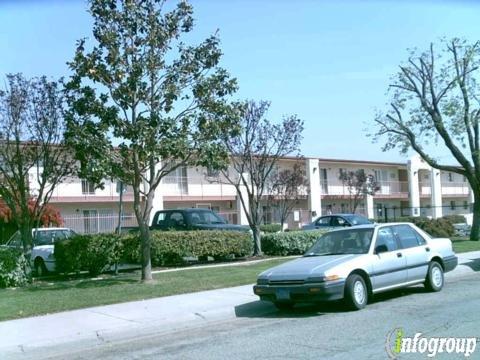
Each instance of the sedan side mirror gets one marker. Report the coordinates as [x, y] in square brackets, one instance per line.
[381, 249]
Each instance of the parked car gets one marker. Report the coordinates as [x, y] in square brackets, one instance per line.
[336, 220]
[355, 263]
[192, 219]
[462, 229]
[42, 259]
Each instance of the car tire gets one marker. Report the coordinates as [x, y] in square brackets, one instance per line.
[284, 306]
[356, 292]
[40, 268]
[435, 279]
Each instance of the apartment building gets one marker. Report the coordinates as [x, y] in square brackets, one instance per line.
[411, 188]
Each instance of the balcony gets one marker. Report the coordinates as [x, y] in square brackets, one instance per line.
[454, 189]
[72, 192]
[386, 189]
[196, 188]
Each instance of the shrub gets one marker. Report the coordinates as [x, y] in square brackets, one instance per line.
[12, 265]
[271, 228]
[441, 227]
[289, 243]
[455, 219]
[88, 252]
[171, 247]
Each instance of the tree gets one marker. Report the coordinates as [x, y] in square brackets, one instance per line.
[50, 216]
[286, 188]
[359, 185]
[435, 101]
[255, 152]
[144, 103]
[33, 158]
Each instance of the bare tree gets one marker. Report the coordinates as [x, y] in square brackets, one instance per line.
[435, 101]
[359, 185]
[255, 152]
[33, 159]
[287, 187]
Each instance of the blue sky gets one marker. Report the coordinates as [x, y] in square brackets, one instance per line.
[329, 62]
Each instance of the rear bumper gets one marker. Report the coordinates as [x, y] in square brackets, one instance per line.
[450, 263]
[302, 293]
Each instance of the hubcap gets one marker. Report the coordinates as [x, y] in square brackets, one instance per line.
[437, 277]
[359, 292]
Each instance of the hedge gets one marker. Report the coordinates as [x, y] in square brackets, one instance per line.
[88, 252]
[95, 252]
[271, 228]
[441, 227]
[12, 265]
[455, 219]
[289, 243]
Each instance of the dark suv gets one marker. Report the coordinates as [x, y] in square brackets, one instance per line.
[192, 219]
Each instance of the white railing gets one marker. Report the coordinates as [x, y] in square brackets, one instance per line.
[448, 188]
[97, 223]
[337, 187]
[195, 186]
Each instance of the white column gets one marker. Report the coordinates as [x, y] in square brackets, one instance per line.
[158, 198]
[314, 195]
[413, 187]
[436, 186]
[369, 207]
[242, 214]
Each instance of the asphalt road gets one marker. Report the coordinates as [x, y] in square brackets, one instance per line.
[314, 332]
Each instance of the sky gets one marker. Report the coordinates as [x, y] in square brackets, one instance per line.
[329, 62]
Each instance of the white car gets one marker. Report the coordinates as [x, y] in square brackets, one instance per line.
[42, 260]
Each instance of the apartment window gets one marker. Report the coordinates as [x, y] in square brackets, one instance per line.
[450, 177]
[452, 205]
[88, 188]
[212, 172]
[464, 178]
[119, 186]
[465, 205]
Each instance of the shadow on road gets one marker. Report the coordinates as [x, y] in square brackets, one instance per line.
[473, 264]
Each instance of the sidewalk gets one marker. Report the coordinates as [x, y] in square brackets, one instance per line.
[24, 338]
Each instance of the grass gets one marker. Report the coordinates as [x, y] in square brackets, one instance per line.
[463, 244]
[45, 297]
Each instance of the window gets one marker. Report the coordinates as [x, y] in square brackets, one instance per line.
[88, 188]
[407, 236]
[465, 205]
[338, 221]
[120, 186]
[161, 218]
[212, 172]
[176, 219]
[386, 238]
[452, 205]
[323, 221]
[464, 178]
[450, 177]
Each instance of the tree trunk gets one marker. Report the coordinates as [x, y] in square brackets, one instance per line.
[257, 245]
[26, 233]
[475, 232]
[145, 249]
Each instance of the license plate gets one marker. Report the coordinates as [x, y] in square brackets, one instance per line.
[283, 294]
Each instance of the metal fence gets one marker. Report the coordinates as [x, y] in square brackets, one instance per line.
[389, 214]
[97, 223]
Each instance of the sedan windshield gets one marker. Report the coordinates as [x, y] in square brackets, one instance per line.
[351, 241]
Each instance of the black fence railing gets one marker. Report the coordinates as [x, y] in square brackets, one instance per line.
[389, 214]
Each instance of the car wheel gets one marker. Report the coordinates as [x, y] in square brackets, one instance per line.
[284, 306]
[40, 268]
[356, 292]
[434, 281]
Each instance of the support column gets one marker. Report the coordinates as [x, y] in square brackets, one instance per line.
[242, 214]
[436, 186]
[369, 207]
[314, 195]
[413, 187]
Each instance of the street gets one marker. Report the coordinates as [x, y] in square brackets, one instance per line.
[309, 332]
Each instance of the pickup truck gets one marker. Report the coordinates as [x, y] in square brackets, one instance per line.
[192, 219]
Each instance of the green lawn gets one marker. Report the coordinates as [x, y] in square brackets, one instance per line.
[53, 296]
[463, 244]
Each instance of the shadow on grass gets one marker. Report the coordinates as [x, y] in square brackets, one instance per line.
[265, 309]
[80, 284]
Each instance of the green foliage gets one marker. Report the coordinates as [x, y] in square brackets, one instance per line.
[289, 243]
[88, 252]
[12, 265]
[271, 228]
[455, 219]
[7, 229]
[441, 227]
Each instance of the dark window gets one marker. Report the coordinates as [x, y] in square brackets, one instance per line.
[88, 188]
[407, 236]
[177, 219]
[338, 221]
[323, 221]
[465, 205]
[386, 237]
[452, 205]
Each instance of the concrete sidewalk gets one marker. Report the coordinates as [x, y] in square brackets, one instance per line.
[24, 338]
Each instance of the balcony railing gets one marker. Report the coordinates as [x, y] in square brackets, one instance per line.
[196, 186]
[336, 187]
[448, 188]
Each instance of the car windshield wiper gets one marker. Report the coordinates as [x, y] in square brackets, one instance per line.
[323, 254]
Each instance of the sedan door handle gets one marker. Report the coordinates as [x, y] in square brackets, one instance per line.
[399, 254]
[427, 249]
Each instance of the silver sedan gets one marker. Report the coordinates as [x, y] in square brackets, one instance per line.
[355, 263]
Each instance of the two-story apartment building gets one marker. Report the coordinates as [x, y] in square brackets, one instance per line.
[410, 188]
